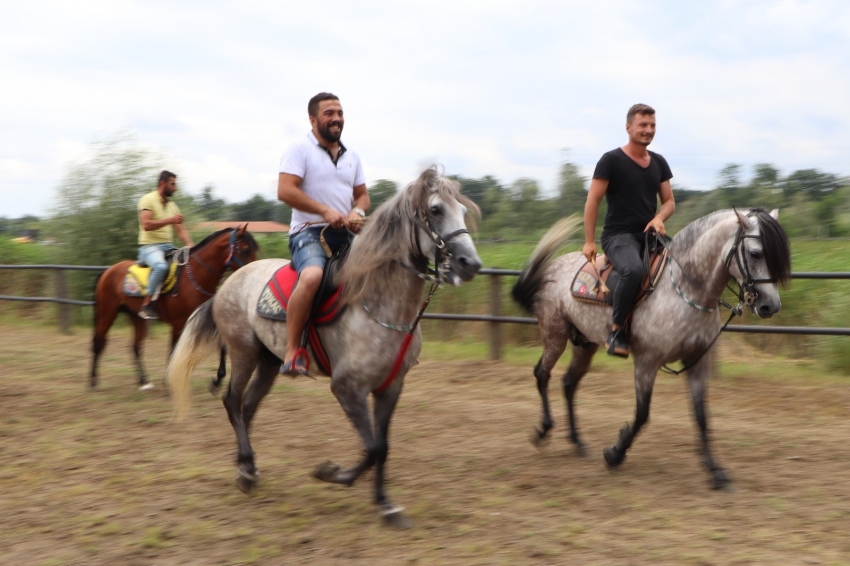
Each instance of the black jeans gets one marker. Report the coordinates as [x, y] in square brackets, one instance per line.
[625, 251]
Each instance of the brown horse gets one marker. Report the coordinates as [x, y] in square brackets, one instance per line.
[198, 280]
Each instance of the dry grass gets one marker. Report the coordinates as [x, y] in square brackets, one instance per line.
[105, 476]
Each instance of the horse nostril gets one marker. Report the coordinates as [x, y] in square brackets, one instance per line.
[765, 311]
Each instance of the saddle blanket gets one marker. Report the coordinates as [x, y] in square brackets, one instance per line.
[136, 280]
[274, 301]
[586, 285]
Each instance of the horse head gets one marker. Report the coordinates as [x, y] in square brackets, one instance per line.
[242, 248]
[439, 214]
[762, 260]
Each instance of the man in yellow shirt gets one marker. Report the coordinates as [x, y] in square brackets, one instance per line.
[159, 217]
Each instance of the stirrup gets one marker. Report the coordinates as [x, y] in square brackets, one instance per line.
[295, 368]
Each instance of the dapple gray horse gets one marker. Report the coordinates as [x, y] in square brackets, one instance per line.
[678, 321]
[384, 279]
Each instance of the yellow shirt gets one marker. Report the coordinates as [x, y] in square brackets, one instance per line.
[159, 211]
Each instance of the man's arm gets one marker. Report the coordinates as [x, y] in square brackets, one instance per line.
[361, 201]
[591, 211]
[668, 207]
[149, 223]
[289, 191]
[184, 235]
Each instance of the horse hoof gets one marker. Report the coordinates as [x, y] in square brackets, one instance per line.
[146, 387]
[393, 516]
[720, 480]
[613, 457]
[538, 438]
[326, 471]
[246, 481]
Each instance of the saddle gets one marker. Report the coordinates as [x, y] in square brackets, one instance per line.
[327, 306]
[587, 285]
[136, 281]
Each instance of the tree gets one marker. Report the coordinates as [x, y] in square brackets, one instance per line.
[382, 191]
[255, 208]
[210, 207]
[812, 183]
[95, 220]
[572, 190]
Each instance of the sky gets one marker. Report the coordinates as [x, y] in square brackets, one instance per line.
[504, 88]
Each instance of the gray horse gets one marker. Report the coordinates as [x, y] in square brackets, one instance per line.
[384, 278]
[678, 321]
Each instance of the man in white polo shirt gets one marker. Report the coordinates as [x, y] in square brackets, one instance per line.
[324, 184]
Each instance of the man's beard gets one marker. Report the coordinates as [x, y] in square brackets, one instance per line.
[169, 192]
[327, 135]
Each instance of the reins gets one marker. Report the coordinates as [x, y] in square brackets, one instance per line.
[183, 255]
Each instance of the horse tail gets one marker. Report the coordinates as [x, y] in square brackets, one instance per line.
[199, 339]
[531, 279]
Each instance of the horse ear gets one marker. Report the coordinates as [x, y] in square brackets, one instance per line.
[742, 220]
[775, 213]
[241, 230]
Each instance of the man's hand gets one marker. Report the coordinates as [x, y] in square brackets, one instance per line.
[355, 222]
[656, 224]
[589, 251]
[176, 219]
[334, 218]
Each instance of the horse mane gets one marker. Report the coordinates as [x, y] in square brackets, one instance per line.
[390, 234]
[777, 250]
[252, 243]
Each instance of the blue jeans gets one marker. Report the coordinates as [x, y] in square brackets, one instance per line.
[306, 246]
[153, 255]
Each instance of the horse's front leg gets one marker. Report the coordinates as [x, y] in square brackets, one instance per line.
[215, 383]
[385, 404]
[644, 381]
[140, 331]
[352, 398]
[698, 382]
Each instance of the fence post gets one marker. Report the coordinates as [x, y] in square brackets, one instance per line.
[64, 322]
[495, 310]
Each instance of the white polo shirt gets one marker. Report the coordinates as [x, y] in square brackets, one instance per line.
[324, 181]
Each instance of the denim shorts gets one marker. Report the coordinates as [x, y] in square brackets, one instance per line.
[306, 246]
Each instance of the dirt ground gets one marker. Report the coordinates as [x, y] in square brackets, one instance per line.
[106, 477]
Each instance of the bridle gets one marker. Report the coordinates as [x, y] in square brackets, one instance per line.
[442, 254]
[747, 293]
[184, 255]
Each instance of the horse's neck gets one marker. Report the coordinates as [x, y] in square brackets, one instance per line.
[210, 256]
[397, 295]
[704, 260]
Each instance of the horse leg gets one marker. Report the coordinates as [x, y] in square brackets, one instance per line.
[242, 366]
[582, 356]
[268, 367]
[554, 344]
[385, 403]
[353, 400]
[105, 314]
[140, 328]
[644, 382]
[221, 373]
[697, 381]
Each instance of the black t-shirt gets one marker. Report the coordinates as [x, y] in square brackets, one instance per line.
[632, 192]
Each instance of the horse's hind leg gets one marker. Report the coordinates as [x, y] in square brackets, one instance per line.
[105, 314]
[140, 331]
[644, 382]
[385, 403]
[268, 367]
[555, 335]
[582, 356]
[697, 381]
[215, 383]
[242, 366]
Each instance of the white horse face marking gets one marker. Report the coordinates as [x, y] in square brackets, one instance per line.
[446, 216]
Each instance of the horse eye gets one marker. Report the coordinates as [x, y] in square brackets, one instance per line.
[756, 254]
[436, 210]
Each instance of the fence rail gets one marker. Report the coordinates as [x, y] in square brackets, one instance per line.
[494, 319]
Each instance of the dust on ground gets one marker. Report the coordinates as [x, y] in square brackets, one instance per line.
[106, 476]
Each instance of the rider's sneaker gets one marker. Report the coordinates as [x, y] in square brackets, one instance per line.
[148, 312]
[618, 343]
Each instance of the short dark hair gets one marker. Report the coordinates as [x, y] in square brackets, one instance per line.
[639, 109]
[166, 176]
[313, 105]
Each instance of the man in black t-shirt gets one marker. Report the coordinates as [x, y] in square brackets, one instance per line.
[631, 178]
